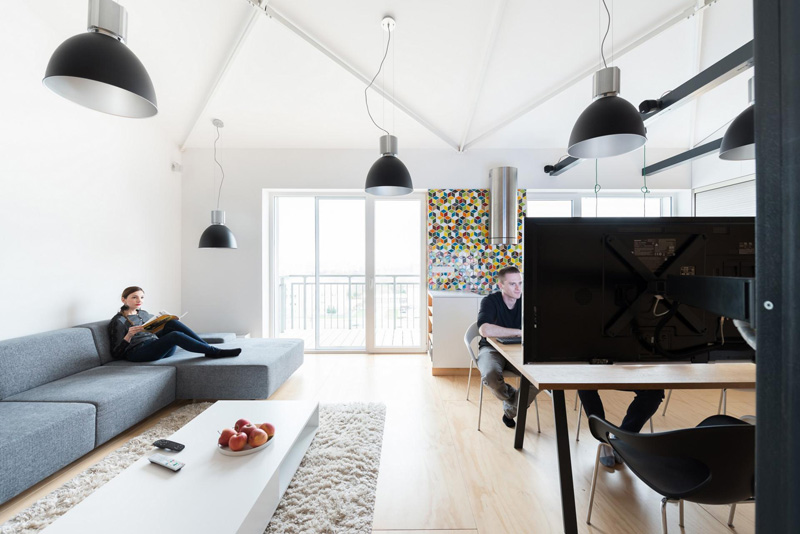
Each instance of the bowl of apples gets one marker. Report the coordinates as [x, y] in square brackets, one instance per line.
[245, 438]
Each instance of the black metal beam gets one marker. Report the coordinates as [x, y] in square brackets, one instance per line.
[777, 128]
[562, 166]
[683, 157]
[718, 73]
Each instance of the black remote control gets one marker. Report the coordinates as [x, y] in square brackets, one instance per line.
[170, 445]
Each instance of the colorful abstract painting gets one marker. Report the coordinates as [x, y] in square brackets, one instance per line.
[460, 257]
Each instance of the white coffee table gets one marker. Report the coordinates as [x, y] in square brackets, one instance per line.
[213, 492]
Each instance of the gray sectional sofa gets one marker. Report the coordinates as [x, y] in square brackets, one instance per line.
[62, 394]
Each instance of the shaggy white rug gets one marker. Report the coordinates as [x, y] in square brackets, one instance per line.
[333, 490]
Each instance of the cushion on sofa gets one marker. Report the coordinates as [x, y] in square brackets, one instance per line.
[256, 373]
[99, 330]
[218, 337]
[30, 361]
[39, 438]
[123, 396]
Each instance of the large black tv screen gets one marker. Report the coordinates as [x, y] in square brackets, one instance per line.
[596, 290]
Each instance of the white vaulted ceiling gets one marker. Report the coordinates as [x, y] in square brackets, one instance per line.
[471, 73]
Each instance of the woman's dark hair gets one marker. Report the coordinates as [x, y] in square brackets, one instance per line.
[126, 293]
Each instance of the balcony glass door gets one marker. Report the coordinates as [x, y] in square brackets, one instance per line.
[340, 273]
[396, 267]
[349, 272]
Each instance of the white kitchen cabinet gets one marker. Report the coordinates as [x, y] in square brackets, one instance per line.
[449, 315]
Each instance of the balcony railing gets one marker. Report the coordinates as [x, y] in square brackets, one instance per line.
[342, 302]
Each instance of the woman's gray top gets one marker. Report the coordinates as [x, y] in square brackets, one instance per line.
[118, 329]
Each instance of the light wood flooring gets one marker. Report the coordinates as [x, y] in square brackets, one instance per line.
[440, 475]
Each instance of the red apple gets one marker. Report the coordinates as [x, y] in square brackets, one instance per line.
[240, 423]
[238, 441]
[257, 438]
[248, 429]
[225, 436]
[268, 428]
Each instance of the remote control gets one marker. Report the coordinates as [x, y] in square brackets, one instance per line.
[166, 461]
[169, 445]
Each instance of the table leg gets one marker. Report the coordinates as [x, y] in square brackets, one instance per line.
[564, 464]
[522, 411]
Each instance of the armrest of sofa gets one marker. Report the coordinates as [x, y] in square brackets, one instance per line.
[218, 337]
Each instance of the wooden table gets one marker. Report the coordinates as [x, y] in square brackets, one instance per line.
[560, 377]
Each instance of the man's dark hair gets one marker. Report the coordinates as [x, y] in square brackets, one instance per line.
[501, 274]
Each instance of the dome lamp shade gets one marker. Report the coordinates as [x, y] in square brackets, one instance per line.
[388, 176]
[739, 141]
[98, 71]
[217, 235]
[610, 125]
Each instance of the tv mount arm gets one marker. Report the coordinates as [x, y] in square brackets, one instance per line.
[656, 283]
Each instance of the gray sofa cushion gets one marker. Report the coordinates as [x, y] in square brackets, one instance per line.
[256, 373]
[99, 331]
[37, 439]
[123, 396]
[218, 337]
[30, 361]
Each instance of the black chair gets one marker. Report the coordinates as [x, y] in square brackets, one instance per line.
[713, 463]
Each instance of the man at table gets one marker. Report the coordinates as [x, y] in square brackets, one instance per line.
[500, 315]
[642, 408]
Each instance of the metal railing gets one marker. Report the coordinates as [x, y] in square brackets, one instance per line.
[342, 302]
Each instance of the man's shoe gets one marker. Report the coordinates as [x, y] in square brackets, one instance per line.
[607, 456]
[508, 422]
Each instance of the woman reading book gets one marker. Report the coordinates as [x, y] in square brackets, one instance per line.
[132, 340]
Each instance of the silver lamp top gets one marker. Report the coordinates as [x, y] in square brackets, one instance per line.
[109, 18]
[606, 82]
[217, 216]
[388, 145]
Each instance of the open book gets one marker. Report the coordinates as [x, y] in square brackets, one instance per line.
[156, 323]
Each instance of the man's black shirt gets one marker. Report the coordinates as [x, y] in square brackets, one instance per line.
[494, 311]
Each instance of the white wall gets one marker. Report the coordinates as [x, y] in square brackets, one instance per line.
[222, 289]
[88, 204]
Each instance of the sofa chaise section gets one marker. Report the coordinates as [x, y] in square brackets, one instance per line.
[37, 439]
[256, 373]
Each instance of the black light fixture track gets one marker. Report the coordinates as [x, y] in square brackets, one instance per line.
[723, 70]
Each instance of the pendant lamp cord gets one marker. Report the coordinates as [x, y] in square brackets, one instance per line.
[644, 188]
[366, 101]
[220, 167]
[597, 189]
[602, 45]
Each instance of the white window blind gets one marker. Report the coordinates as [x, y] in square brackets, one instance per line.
[737, 200]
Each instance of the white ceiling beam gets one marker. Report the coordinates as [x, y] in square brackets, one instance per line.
[480, 77]
[243, 35]
[277, 16]
[530, 106]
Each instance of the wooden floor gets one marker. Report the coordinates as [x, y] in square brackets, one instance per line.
[440, 475]
[356, 338]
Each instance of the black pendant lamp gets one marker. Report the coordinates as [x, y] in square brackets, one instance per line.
[388, 176]
[218, 235]
[611, 125]
[739, 141]
[98, 71]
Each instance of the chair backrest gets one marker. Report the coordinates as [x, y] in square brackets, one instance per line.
[712, 464]
[469, 337]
